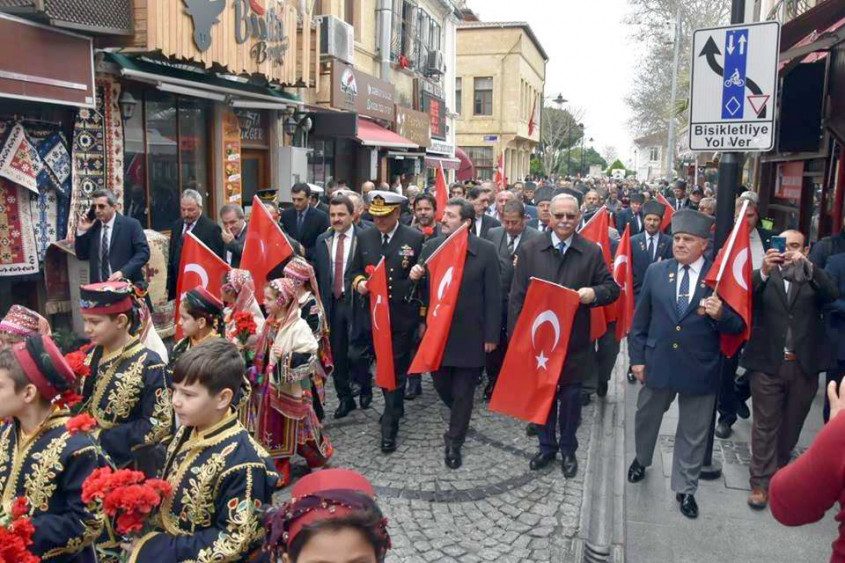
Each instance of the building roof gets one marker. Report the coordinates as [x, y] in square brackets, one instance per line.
[658, 137]
[506, 25]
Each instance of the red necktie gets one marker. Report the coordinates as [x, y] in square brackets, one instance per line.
[338, 267]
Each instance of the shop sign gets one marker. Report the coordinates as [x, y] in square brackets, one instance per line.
[353, 90]
[413, 125]
[491, 138]
[436, 109]
[790, 179]
[231, 158]
[442, 148]
[252, 128]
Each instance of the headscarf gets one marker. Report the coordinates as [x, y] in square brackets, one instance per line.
[240, 283]
[286, 289]
[300, 271]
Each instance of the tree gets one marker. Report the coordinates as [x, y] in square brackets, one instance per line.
[559, 133]
[610, 153]
[617, 164]
[591, 157]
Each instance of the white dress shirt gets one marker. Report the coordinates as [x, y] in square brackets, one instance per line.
[391, 233]
[347, 247]
[556, 242]
[477, 226]
[110, 233]
[516, 240]
[758, 253]
[656, 240]
[694, 272]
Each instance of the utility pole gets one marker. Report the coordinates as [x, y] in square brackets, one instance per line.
[670, 145]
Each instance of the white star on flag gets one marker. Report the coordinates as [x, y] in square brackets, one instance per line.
[541, 361]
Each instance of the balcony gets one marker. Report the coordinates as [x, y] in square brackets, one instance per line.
[106, 17]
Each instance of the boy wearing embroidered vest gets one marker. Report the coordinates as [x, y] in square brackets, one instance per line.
[221, 477]
[40, 459]
[126, 392]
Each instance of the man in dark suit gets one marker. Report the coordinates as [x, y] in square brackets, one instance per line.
[543, 199]
[631, 216]
[303, 222]
[592, 204]
[787, 350]
[234, 233]
[564, 257]
[674, 351]
[482, 223]
[192, 221]
[475, 327]
[680, 200]
[425, 211]
[651, 245]
[114, 245]
[332, 259]
[836, 323]
[507, 240]
[400, 245]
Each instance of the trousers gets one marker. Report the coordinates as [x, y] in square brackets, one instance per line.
[603, 360]
[456, 388]
[564, 415]
[394, 401]
[339, 337]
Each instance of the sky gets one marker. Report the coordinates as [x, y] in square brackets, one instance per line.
[592, 59]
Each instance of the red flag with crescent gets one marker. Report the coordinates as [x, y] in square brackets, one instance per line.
[441, 195]
[445, 273]
[735, 288]
[536, 353]
[382, 336]
[667, 213]
[623, 274]
[596, 230]
[499, 176]
[266, 246]
[198, 266]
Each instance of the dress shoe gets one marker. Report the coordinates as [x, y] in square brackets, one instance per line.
[345, 407]
[723, 430]
[356, 389]
[531, 429]
[631, 378]
[742, 411]
[412, 394]
[388, 445]
[636, 472]
[366, 399]
[601, 390]
[689, 507]
[569, 466]
[585, 400]
[453, 457]
[488, 391]
[758, 499]
[541, 460]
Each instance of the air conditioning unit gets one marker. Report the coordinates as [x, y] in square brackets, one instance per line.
[436, 63]
[337, 39]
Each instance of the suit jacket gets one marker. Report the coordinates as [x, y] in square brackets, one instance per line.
[478, 314]
[128, 249]
[582, 265]
[836, 310]
[627, 217]
[401, 254]
[498, 236]
[207, 231]
[801, 310]
[535, 224]
[487, 223]
[436, 231]
[681, 354]
[324, 268]
[674, 202]
[639, 253]
[530, 211]
[236, 248]
[315, 223]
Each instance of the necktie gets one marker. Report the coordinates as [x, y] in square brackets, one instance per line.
[561, 248]
[338, 267]
[683, 293]
[104, 255]
[187, 229]
[651, 249]
[300, 218]
[511, 245]
[384, 240]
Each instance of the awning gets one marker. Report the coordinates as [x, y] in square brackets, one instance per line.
[372, 135]
[446, 162]
[814, 45]
[199, 84]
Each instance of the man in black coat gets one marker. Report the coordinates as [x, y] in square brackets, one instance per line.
[303, 222]
[651, 245]
[564, 257]
[475, 327]
[631, 216]
[192, 221]
[114, 245]
[401, 246]
[234, 233]
[787, 350]
[680, 199]
[482, 223]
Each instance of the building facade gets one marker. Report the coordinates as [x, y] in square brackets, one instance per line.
[499, 95]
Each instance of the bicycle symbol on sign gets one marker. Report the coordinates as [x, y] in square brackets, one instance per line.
[735, 80]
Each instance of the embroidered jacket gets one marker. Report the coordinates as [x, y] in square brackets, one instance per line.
[48, 468]
[221, 478]
[127, 394]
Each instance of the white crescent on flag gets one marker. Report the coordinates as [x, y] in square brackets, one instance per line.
[546, 316]
[198, 270]
[444, 285]
[619, 261]
[738, 269]
[375, 322]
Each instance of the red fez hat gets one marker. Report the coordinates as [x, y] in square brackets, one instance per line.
[106, 298]
[45, 366]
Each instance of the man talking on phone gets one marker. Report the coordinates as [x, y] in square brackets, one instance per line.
[113, 244]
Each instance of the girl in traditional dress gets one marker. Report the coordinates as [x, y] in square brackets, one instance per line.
[200, 317]
[286, 356]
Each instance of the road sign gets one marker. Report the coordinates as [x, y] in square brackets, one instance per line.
[734, 87]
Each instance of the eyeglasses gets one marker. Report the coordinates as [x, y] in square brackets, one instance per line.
[567, 216]
[100, 206]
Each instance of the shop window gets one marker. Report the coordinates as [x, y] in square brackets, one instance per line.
[163, 165]
[482, 158]
[483, 96]
[654, 154]
[321, 161]
[458, 94]
[135, 167]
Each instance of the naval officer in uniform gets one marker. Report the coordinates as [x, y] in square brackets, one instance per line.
[674, 351]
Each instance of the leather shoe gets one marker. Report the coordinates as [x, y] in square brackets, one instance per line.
[531, 429]
[689, 507]
[601, 390]
[388, 445]
[636, 472]
[723, 430]
[758, 499]
[366, 399]
[631, 378]
[453, 457]
[742, 411]
[569, 466]
[541, 460]
[345, 407]
[488, 391]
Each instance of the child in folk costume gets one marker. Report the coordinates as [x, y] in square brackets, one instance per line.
[21, 323]
[42, 461]
[126, 392]
[200, 318]
[221, 477]
[286, 356]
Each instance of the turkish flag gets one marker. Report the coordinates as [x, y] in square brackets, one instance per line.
[499, 177]
[623, 274]
[198, 266]
[667, 213]
[735, 289]
[532, 123]
[596, 230]
[445, 273]
[266, 246]
[536, 353]
[441, 194]
[382, 337]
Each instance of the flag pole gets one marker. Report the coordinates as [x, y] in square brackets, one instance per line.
[726, 251]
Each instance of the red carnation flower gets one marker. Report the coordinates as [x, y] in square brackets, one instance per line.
[428, 231]
[369, 270]
[76, 360]
[81, 423]
[69, 398]
[20, 508]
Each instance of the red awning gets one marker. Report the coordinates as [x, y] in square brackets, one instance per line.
[813, 47]
[372, 135]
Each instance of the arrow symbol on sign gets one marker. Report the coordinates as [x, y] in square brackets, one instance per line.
[710, 51]
[730, 47]
[741, 44]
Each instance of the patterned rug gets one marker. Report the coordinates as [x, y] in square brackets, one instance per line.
[18, 254]
[19, 159]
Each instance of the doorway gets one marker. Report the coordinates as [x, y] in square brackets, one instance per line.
[255, 174]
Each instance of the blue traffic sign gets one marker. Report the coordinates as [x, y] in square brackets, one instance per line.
[736, 58]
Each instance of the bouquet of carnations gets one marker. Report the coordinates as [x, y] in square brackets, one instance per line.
[16, 532]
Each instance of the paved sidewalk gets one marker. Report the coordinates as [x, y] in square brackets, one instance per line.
[726, 529]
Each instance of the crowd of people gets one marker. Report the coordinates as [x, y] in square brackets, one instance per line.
[223, 413]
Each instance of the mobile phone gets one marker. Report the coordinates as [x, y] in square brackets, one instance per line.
[779, 244]
[90, 214]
